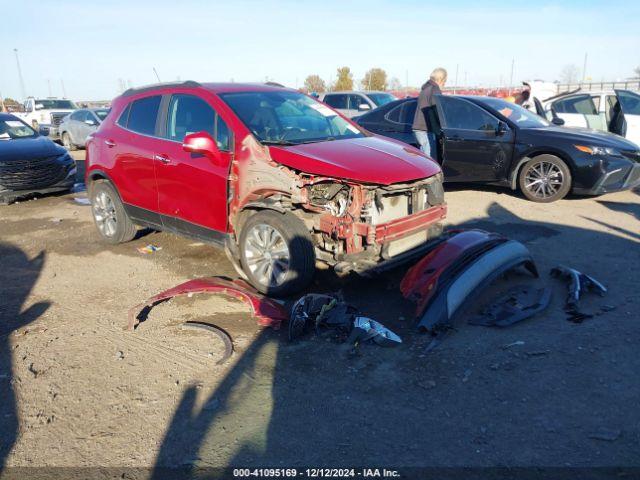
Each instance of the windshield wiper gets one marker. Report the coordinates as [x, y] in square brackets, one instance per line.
[277, 142]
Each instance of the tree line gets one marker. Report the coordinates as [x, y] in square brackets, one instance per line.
[374, 79]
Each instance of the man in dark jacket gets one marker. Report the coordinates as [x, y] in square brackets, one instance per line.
[425, 136]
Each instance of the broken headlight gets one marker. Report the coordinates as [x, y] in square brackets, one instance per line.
[333, 197]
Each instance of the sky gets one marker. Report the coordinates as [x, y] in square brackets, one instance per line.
[90, 45]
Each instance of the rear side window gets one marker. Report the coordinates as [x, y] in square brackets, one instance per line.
[336, 101]
[190, 114]
[143, 114]
[124, 116]
[403, 113]
[582, 105]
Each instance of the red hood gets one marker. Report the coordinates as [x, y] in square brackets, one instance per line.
[367, 160]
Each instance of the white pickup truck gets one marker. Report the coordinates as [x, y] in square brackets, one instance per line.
[46, 112]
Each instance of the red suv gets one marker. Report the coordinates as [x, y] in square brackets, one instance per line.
[275, 177]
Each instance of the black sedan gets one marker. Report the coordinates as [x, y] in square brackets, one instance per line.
[30, 162]
[490, 140]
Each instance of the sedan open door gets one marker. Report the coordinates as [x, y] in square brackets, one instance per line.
[475, 146]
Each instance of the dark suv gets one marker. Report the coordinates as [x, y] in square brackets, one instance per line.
[274, 176]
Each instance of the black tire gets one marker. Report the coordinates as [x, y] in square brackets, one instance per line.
[122, 229]
[67, 143]
[545, 179]
[301, 253]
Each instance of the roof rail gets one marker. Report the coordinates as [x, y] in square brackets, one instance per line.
[155, 86]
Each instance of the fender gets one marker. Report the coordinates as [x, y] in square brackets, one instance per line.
[513, 181]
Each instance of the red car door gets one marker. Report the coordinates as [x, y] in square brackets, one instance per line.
[192, 189]
[131, 145]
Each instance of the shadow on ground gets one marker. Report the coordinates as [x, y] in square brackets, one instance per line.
[24, 273]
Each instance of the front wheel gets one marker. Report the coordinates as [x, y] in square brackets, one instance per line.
[112, 221]
[545, 179]
[276, 253]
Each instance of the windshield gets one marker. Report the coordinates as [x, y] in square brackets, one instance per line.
[101, 114]
[288, 118]
[518, 115]
[49, 104]
[629, 101]
[13, 129]
[381, 98]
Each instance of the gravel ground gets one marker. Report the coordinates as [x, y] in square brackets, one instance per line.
[76, 389]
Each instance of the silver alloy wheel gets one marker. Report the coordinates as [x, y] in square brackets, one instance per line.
[104, 211]
[544, 179]
[267, 255]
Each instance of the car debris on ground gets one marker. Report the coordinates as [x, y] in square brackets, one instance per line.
[267, 312]
[578, 284]
[316, 311]
[517, 304]
[219, 332]
[459, 267]
[148, 249]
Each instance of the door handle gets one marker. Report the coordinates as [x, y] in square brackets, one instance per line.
[110, 143]
[162, 159]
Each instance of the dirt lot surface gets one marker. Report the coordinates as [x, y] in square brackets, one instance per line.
[76, 389]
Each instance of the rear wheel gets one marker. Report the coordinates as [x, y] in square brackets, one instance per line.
[66, 141]
[276, 253]
[545, 179]
[112, 221]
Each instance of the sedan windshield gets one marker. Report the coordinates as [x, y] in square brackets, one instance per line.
[381, 98]
[50, 104]
[288, 118]
[14, 129]
[518, 115]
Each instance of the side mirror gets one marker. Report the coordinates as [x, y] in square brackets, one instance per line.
[364, 106]
[90, 122]
[44, 131]
[202, 143]
[501, 129]
[39, 106]
[557, 121]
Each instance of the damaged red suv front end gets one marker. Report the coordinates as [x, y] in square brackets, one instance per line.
[279, 179]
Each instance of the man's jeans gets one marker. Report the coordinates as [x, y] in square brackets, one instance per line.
[427, 142]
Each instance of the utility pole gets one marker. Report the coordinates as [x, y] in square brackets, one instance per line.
[64, 92]
[157, 76]
[406, 83]
[455, 84]
[584, 68]
[513, 63]
[24, 94]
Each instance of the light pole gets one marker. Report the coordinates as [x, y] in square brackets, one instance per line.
[24, 94]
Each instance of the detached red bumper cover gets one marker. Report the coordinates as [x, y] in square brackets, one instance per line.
[458, 267]
[267, 312]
